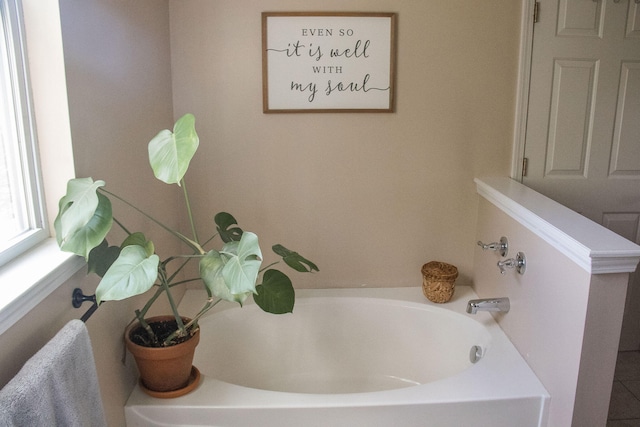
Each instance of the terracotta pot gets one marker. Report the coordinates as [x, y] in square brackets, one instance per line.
[163, 369]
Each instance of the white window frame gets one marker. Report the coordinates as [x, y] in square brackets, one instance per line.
[30, 279]
[15, 75]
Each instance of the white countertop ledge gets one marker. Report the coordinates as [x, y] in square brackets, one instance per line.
[593, 247]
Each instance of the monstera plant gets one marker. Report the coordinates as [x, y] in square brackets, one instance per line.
[230, 272]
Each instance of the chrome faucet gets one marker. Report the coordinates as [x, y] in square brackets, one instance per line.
[488, 304]
[502, 247]
[519, 263]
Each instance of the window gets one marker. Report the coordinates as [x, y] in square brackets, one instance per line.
[27, 280]
[22, 217]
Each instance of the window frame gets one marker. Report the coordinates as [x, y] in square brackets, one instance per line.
[14, 48]
[29, 280]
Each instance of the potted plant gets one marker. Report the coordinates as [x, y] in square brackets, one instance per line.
[229, 273]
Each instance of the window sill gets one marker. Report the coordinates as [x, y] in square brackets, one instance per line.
[30, 278]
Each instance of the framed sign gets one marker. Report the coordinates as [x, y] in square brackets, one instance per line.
[328, 62]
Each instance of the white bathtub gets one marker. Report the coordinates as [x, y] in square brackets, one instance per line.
[352, 357]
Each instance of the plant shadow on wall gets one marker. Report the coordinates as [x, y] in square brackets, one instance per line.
[230, 273]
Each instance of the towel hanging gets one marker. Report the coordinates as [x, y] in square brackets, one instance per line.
[58, 386]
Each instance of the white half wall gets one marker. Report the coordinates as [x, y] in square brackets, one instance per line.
[566, 309]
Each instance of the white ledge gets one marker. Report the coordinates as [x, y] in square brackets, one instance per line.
[593, 247]
[30, 278]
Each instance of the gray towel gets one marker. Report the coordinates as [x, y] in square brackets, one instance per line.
[58, 386]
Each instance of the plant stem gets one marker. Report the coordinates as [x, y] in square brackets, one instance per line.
[149, 303]
[172, 303]
[210, 239]
[272, 264]
[182, 282]
[121, 226]
[188, 203]
[145, 325]
[194, 245]
[208, 306]
[175, 273]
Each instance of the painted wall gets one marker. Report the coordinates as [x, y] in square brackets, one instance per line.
[369, 197]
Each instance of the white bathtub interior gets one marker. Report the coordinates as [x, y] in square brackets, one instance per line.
[335, 345]
[380, 356]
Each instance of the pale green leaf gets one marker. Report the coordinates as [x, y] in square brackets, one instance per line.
[171, 152]
[139, 239]
[87, 237]
[211, 266]
[76, 208]
[133, 273]
[241, 270]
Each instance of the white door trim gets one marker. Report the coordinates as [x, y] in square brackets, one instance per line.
[522, 91]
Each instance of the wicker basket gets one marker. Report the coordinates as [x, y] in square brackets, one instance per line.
[438, 281]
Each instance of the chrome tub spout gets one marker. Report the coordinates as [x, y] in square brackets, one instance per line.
[488, 304]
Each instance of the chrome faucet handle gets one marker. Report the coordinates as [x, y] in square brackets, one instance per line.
[507, 263]
[502, 246]
[519, 263]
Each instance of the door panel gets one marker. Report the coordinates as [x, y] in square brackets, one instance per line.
[582, 138]
[575, 18]
[571, 117]
[633, 21]
[625, 155]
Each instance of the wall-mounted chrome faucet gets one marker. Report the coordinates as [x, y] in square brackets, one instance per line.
[501, 247]
[488, 304]
[519, 263]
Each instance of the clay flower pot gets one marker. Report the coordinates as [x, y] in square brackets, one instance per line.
[164, 369]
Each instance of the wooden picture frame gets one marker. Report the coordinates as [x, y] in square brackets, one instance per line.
[328, 62]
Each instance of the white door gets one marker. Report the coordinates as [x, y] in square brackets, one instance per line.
[582, 142]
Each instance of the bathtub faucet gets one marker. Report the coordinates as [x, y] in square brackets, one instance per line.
[488, 304]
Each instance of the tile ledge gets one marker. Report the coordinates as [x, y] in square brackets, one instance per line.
[31, 277]
[590, 245]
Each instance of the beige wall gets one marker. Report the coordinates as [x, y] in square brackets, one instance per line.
[368, 197]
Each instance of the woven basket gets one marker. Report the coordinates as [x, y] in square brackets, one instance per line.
[438, 281]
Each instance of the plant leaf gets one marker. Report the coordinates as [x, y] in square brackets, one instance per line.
[138, 238]
[223, 221]
[77, 206]
[295, 260]
[82, 210]
[133, 273]
[84, 239]
[276, 294]
[211, 266]
[240, 272]
[101, 258]
[171, 152]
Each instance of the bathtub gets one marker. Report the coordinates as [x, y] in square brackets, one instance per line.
[352, 357]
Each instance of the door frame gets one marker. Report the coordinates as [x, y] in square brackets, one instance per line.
[523, 86]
